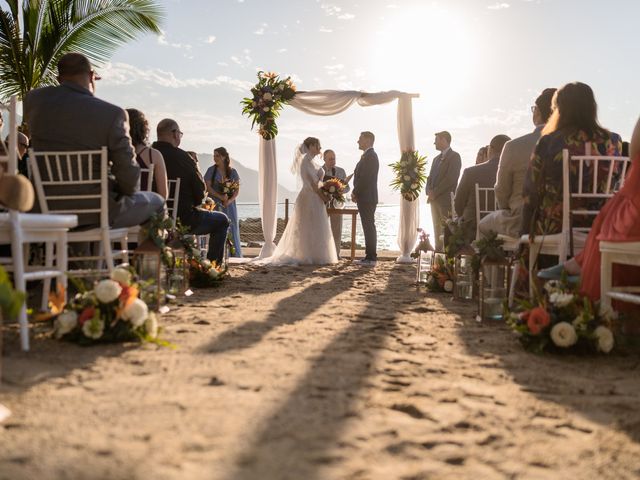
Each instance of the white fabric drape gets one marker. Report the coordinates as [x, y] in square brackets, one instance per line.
[332, 102]
[268, 195]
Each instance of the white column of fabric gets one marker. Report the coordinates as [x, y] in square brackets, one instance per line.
[268, 195]
[409, 211]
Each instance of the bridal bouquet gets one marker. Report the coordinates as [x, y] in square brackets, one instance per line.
[334, 190]
[561, 320]
[111, 312]
[410, 172]
[268, 97]
[229, 187]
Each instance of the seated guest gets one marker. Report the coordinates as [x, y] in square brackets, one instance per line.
[192, 190]
[573, 123]
[214, 178]
[485, 176]
[145, 155]
[23, 149]
[70, 117]
[618, 221]
[512, 168]
[481, 156]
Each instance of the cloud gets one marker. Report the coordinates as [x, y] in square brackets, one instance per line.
[346, 16]
[211, 39]
[282, 50]
[162, 40]
[332, 10]
[121, 74]
[498, 6]
[261, 30]
[324, 30]
[334, 69]
[243, 60]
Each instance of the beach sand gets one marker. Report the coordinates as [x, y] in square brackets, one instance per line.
[309, 373]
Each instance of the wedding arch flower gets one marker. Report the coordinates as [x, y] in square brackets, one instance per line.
[268, 97]
[410, 175]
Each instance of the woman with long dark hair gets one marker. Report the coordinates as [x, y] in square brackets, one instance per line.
[223, 184]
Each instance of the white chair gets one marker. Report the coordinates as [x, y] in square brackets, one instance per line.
[147, 187]
[571, 239]
[626, 253]
[486, 203]
[60, 177]
[19, 229]
[173, 196]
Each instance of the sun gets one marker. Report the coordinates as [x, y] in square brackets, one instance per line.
[424, 48]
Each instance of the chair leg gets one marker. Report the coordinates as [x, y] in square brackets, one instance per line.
[20, 285]
[62, 260]
[48, 262]
[606, 271]
[532, 260]
[124, 246]
[108, 250]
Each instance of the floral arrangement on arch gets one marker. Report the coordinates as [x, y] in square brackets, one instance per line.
[111, 312]
[410, 175]
[269, 95]
[334, 189]
[563, 320]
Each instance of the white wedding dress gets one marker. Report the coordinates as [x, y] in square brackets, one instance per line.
[307, 238]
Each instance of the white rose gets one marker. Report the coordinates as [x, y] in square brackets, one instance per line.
[407, 178]
[448, 286]
[121, 275]
[605, 339]
[552, 286]
[560, 299]
[93, 328]
[136, 313]
[563, 334]
[265, 109]
[213, 273]
[107, 291]
[414, 186]
[65, 322]
[608, 313]
[206, 263]
[332, 189]
[267, 96]
[151, 325]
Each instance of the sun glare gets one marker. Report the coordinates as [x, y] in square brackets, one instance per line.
[424, 49]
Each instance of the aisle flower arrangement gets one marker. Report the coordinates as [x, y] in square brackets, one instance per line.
[334, 189]
[563, 320]
[440, 278]
[268, 97]
[205, 273]
[111, 312]
[423, 244]
[410, 175]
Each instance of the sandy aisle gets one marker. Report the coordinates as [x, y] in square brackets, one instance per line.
[329, 373]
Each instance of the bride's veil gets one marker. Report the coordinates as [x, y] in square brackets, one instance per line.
[298, 155]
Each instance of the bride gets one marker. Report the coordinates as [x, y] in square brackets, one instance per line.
[307, 239]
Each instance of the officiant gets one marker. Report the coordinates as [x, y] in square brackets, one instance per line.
[332, 171]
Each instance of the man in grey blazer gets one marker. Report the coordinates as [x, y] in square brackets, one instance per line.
[441, 183]
[512, 168]
[333, 171]
[484, 175]
[69, 117]
[365, 194]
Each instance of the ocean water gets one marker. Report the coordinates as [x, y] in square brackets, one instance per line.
[387, 222]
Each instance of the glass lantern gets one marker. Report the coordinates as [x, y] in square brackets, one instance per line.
[494, 288]
[147, 261]
[424, 265]
[177, 278]
[463, 277]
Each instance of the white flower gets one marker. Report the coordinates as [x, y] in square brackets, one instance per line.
[94, 327]
[206, 263]
[414, 186]
[579, 323]
[608, 313]
[136, 313]
[560, 299]
[107, 291]
[407, 178]
[448, 286]
[267, 96]
[563, 334]
[265, 109]
[213, 273]
[552, 286]
[65, 322]
[605, 339]
[332, 189]
[121, 275]
[151, 325]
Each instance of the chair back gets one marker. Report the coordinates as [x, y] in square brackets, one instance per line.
[597, 179]
[147, 174]
[74, 182]
[485, 204]
[172, 198]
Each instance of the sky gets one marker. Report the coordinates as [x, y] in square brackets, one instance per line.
[478, 65]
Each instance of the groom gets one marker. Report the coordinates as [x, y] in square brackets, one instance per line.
[365, 194]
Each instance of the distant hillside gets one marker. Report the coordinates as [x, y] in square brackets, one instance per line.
[248, 180]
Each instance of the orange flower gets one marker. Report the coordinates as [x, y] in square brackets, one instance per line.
[538, 320]
[56, 304]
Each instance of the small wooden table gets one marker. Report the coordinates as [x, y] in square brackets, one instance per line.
[354, 214]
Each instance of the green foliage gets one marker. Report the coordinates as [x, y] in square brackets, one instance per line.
[454, 237]
[34, 34]
[269, 95]
[11, 301]
[410, 175]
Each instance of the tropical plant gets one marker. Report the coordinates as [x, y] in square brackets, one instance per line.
[34, 34]
[410, 175]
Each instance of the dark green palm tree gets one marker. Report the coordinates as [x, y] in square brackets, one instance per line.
[34, 34]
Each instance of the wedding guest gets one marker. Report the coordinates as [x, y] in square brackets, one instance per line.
[215, 178]
[70, 117]
[192, 190]
[22, 154]
[333, 171]
[481, 156]
[441, 183]
[514, 161]
[146, 155]
[485, 176]
[618, 221]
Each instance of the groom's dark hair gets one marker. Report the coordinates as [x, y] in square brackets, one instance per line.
[369, 135]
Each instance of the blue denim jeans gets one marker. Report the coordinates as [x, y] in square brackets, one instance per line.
[215, 224]
[137, 209]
